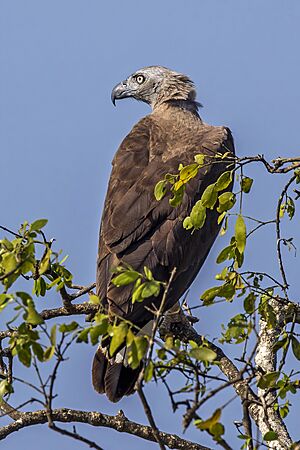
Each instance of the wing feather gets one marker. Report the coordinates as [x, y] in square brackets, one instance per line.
[140, 231]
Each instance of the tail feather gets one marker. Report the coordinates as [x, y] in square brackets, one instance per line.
[98, 370]
[115, 379]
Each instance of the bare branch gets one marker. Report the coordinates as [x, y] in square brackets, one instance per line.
[75, 436]
[72, 310]
[9, 410]
[247, 423]
[150, 417]
[68, 298]
[278, 232]
[119, 423]
[277, 166]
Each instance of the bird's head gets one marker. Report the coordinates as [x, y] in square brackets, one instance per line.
[155, 85]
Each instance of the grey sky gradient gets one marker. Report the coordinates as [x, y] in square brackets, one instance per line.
[59, 131]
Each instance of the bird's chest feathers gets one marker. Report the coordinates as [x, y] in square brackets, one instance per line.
[174, 136]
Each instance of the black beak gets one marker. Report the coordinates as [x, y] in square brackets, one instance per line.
[120, 91]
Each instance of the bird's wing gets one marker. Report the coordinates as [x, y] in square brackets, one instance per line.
[138, 229]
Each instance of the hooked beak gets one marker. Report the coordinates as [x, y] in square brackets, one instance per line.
[120, 91]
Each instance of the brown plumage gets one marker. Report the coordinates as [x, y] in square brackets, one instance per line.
[140, 231]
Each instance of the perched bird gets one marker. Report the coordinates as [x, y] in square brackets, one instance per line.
[138, 230]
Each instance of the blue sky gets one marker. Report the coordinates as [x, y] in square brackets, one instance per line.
[59, 131]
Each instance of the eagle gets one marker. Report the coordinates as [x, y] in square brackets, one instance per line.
[139, 231]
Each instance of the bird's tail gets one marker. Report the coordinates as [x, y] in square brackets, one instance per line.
[112, 375]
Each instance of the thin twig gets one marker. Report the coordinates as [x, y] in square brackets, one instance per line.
[278, 233]
[150, 417]
[75, 436]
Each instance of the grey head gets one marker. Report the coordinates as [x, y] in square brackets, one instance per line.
[156, 85]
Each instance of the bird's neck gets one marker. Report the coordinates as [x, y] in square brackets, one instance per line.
[176, 106]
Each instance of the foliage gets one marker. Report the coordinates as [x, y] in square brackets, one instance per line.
[35, 337]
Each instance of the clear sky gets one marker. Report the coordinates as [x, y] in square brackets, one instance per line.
[59, 131]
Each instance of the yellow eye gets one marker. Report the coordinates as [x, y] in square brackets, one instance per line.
[140, 79]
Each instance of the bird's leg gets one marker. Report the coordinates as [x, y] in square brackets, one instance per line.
[176, 323]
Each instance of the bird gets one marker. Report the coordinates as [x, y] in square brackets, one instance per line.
[139, 231]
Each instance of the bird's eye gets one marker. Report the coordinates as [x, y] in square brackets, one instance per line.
[140, 79]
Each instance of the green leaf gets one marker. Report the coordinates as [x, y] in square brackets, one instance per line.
[198, 215]
[94, 299]
[207, 424]
[209, 295]
[44, 264]
[40, 287]
[169, 342]
[98, 330]
[217, 430]
[203, 354]
[83, 336]
[290, 207]
[9, 262]
[226, 253]
[67, 328]
[32, 316]
[5, 388]
[25, 297]
[279, 344]
[283, 411]
[177, 197]
[160, 190]
[53, 335]
[119, 333]
[227, 290]
[187, 223]
[129, 337]
[150, 288]
[133, 356]
[137, 294]
[246, 184]
[141, 346]
[24, 355]
[49, 352]
[149, 372]
[148, 273]
[38, 351]
[125, 278]
[268, 380]
[249, 303]
[240, 234]
[221, 217]
[4, 300]
[242, 436]
[270, 436]
[237, 330]
[188, 172]
[224, 227]
[171, 178]
[209, 196]
[6, 244]
[38, 224]
[200, 159]
[222, 275]
[226, 201]
[296, 347]
[224, 181]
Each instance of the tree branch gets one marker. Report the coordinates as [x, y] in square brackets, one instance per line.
[119, 423]
[268, 418]
[184, 331]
